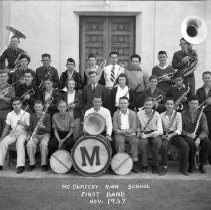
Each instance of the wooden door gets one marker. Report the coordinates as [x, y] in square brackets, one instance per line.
[100, 35]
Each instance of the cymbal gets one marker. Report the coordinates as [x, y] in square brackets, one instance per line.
[16, 32]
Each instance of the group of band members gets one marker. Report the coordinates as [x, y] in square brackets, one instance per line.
[145, 110]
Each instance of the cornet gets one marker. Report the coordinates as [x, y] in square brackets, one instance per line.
[157, 99]
[17, 83]
[30, 92]
[46, 76]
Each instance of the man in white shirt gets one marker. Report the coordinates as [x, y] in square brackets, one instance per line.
[111, 72]
[149, 131]
[105, 113]
[125, 122]
[18, 119]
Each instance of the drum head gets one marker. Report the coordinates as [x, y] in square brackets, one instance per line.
[122, 163]
[61, 161]
[91, 155]
[94, 124]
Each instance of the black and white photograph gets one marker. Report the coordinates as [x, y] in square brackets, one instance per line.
[105, 104]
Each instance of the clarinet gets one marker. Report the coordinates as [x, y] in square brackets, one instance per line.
[198, 120]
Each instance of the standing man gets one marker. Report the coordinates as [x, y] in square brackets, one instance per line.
[18, 76]
[92, 90]
[195, 133]
[6, 93]
[184, 59]
[164, 72]
[69, 74]
[149, 132]
[124, 122]
[172, 129]
[47, 71]
[40, 121]
[10, 55]
[154, 92]
[105, 113]
[137, 78]
[92, 66]
[18, 119]
[111, 72]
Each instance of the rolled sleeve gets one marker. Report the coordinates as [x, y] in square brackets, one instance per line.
[109, 126]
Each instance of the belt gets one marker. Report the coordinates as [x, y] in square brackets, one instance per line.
[165, 132]
[147, 132]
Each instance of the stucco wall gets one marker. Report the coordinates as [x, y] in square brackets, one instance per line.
[53, 27]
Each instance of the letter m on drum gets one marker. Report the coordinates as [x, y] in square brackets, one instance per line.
[85, 155]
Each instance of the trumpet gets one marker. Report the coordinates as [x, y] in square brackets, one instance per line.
[178, 103]
[46, 76]
[157, 99]
[160, 79]
[16, 83]
[30, 92]
[4, 91]
[76, 101]
[203, 103]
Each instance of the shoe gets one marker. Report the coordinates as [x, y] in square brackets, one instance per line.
[184, 172]
[20, 169]
[191, 169]
[163, 171]
[31, 168]
[202, 169]
[1, 168]
[136, 167]
[144, 169]
[154, 169]
[44, 167]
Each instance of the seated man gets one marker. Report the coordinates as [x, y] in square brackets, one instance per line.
[154, 92]
[172, 129]
[105, 113]
[124, 122]
[39, 132]
[149, 131]
[63, 124]
[195, 133]
[18, 119]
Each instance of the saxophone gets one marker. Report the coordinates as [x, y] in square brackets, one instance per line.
[178, 104]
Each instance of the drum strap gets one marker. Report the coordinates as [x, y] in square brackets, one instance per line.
[171, 123]
[150, 119]
[60, 161]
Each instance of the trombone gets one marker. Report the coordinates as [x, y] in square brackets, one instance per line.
[30, 92]
[157, 99]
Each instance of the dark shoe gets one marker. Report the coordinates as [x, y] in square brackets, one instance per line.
[1, 168]
[163, 171]
[144, 169]
[44, 167]
[191, 169]
[202, 169]
[31, 168]
[154, 169]
[184, 172]
[20, 169]
[136, 167]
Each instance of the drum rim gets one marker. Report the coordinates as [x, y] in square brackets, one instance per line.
[97, 114]
[65, 151]
[84, 173]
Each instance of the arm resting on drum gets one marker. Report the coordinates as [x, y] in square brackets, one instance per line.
[56, 134]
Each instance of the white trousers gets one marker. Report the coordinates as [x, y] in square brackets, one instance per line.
[20, 147]
[42, 140]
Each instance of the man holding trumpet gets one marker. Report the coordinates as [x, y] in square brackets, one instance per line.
[18, 119]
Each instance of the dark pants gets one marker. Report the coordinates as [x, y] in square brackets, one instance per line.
[179, 142]
[205, 146]
[3, 116]
[208, 115]
[155, 143]
[53, 143]
[191, 81]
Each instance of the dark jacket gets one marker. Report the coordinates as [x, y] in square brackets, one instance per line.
[78, 103]
[200, 93]
[113, 99]
[42, 73]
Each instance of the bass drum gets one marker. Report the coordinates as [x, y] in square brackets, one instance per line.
[94, 124]
[91, 155]
[61, 161]
[122, 163]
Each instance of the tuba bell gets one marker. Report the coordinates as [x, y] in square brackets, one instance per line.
[194, 30]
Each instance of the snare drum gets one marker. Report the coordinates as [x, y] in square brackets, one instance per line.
[122, 163]
[94, 124]
[61, 161]
[91, 155]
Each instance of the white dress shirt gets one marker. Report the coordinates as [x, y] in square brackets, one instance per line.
[120, 93]
[70, 97]
[12, 119]
[106, 115]
[124, 120]
[107, 74]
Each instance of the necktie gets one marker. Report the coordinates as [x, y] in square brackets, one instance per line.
[93, 88]
[112, 74]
